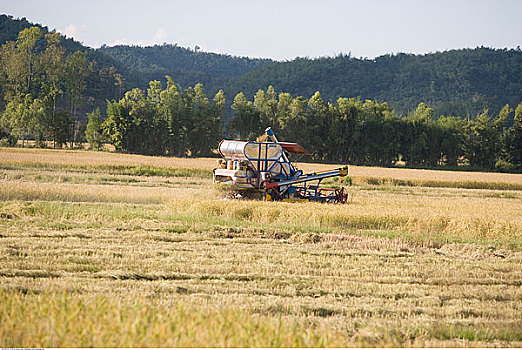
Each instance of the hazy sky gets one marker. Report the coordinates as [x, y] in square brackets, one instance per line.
[282, 29]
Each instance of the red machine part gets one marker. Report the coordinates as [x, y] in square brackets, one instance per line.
[341, 195]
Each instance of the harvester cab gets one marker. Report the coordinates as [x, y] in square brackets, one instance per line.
[263, 169]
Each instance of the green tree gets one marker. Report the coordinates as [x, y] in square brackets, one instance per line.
[94, 131]
[130, 124]
[347, 128]
[317, 124]
[513, 139]
[246, 122]
[27, 54]
[23, 116]
[215, 124]
[423, 114]
[294, 127]
[23, 112]
[77, 69]
[172, 109]
[266, 105]
[452, 142]
[482, 136]
[58, 128]
[115, 126]
[52, 61]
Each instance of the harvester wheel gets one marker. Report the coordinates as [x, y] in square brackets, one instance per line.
[341, 195]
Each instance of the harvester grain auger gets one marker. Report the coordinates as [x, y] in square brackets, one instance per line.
[263, 170]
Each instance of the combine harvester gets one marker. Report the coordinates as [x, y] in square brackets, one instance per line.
[263, 170]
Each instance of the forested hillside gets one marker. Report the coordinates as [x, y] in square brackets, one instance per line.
[188, 66]
[106, 79]
[457, 82]
[152, 58]
[11, 27]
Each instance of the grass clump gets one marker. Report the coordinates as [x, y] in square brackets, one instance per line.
[466, 184]
[116, 169]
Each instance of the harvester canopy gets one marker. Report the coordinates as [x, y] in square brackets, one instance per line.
[244, 150]
[293, 148]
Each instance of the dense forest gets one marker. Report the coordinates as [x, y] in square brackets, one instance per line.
[459, 107]
[457, 82]
[189, 66]
[371, 133]
[105, 80]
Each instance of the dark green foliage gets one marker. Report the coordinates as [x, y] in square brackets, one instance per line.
[247, 123]
[189, 67]
[456, 82]
[36, 84]
[370, 133]
[173, 57]
[59, 128]
[94, 130]
[48, 82]
[170, 121]
[106, 75]
[512, 142]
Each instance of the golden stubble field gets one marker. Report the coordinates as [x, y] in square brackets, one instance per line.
[104, 249]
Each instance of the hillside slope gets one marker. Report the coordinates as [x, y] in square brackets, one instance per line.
[457, 82]
[187, 67]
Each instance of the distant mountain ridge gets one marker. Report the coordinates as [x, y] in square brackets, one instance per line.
[457, 82]
[186, 66]
[169, 56]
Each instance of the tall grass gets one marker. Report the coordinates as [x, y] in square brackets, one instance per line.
[486, 221]
[64, 320]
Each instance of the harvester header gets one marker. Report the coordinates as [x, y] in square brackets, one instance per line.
[263, 169]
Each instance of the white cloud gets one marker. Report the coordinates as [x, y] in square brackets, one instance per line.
[159, 38]
[70, 31]
[73, 30]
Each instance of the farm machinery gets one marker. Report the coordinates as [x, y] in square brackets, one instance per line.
[263, 170]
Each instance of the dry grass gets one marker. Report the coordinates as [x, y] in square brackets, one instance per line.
[28, 157]
[93, 258]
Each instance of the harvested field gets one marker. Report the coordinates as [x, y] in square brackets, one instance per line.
[110, 250]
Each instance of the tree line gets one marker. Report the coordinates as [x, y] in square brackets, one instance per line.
[371, 133]
[161, 121]
[176, 121]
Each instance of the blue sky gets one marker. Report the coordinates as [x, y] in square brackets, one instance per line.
[281, 29]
